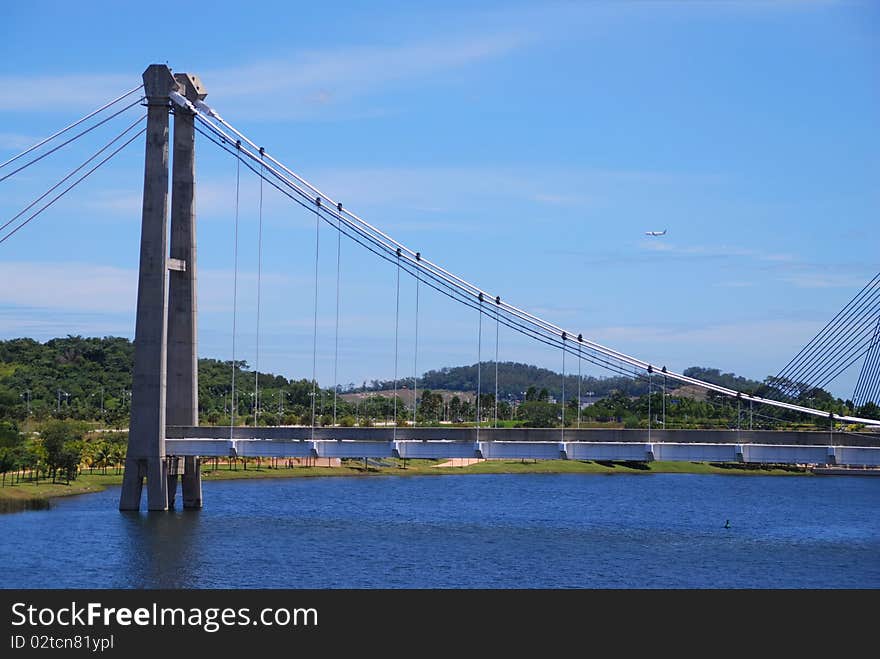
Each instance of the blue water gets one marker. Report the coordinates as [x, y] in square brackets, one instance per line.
[486, 531]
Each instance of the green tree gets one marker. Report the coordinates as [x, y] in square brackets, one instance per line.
[539, 414]
[8, 462]
[58, 439]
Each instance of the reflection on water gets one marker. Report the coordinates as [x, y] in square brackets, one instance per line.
[158, 548]
[488, 531]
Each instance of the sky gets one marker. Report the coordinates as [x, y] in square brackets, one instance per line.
[527, 147]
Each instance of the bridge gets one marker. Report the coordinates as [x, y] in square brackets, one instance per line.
[166, 443]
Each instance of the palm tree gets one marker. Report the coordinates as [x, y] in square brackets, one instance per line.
[101, 457]
[117, 455]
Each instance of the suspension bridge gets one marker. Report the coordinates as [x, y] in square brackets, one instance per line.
[166, 443]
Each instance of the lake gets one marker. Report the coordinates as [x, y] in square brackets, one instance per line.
[464, 531]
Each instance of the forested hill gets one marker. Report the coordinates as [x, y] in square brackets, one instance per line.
[515, 378]
[75, 373]
[728, 380]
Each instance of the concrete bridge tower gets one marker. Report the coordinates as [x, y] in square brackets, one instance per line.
[165, 376]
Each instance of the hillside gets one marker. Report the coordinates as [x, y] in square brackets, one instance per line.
[90, 378]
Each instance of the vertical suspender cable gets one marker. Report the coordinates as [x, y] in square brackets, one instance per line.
[664, 399]
[234, 287]
[336, 345]
[315, 327]
[579, 382]
[416, 351]
[738, 418]
[563, 386]
[650, 391]
[259, 294]
[497, 328]
[396, 335]
[479, 364]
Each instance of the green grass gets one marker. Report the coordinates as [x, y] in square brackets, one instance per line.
[30, 495]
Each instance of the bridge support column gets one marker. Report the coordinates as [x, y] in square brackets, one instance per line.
[146, 438]
[182, 402]
[192, 483]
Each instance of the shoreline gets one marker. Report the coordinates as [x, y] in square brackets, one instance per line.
[31, 496]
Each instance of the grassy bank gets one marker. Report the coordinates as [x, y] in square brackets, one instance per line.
[26, 496]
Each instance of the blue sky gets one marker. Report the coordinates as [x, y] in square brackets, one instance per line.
[525, 146]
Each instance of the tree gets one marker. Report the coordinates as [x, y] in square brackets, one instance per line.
[539, 414]
[58, 442]
[869, 410]
[8, 462]
[455, 411]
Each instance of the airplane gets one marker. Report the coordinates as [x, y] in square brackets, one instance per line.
[655, 233]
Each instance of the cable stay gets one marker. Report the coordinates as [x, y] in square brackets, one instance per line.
[73, 125]
[3, 239]
[71, 173]
[66, 142]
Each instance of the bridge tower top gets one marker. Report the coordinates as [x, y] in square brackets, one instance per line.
[159, 82]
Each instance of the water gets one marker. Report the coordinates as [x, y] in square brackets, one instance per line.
[474, 531]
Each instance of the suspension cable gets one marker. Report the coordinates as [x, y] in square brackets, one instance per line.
[382, 242]
[73, 125]
[234, 293]
[259, 294]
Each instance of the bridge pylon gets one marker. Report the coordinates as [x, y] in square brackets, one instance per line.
[165, 376]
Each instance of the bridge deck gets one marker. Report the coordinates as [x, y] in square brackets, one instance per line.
[704, 446]
[805, 438]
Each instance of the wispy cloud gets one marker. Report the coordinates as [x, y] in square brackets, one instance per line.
[90, 288]
[62, 93]
[16, 141]
[820, 279]
[304, 84]
[714, 251]
[76, 286]
[300, 84]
